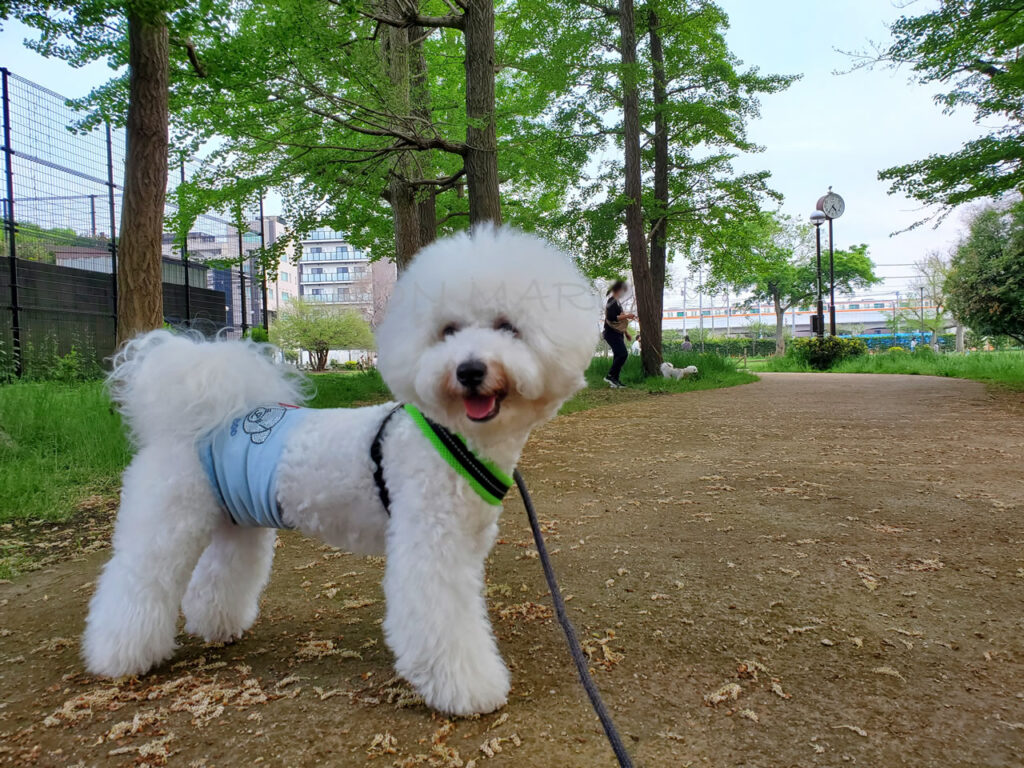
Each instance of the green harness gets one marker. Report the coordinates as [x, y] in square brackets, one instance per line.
[486, 479]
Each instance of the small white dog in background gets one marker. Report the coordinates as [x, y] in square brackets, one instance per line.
[485, 334]
[669, 371]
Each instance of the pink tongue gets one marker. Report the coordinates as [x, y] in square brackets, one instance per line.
[478, 406]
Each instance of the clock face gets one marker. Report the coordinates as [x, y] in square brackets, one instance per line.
[833, 205]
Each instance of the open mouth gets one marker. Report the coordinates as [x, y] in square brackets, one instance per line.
[482, 407]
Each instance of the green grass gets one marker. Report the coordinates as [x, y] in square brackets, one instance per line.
[59, 443]
[714, 370]
[347, 390]
[1002, 368]
[782, 363]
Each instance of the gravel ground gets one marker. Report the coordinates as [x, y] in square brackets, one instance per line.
[814, 570]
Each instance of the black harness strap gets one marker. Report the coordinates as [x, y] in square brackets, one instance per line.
[469, 461]
[377, 456]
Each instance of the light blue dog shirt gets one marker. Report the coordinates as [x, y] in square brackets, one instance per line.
[241, 461]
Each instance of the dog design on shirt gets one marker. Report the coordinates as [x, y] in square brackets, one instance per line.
[259, 421]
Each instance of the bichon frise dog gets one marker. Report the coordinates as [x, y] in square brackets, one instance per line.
[485, 336]
[669, 371]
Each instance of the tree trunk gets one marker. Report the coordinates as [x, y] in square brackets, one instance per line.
[481, 156]
[426, 201]
[647, 307]
[140, 298]
[780, 327]
[959, 338]
[401, 194]
[659, 228]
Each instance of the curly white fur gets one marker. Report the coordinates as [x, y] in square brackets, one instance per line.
[499, 298]
[669, 371]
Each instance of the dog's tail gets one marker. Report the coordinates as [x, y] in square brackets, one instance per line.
[179, 386]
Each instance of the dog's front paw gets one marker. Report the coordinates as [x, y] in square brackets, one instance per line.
[463, 686]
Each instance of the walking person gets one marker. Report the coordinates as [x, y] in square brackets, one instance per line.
[687, 344]
[616, 328]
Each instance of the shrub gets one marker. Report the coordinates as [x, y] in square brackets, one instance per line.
[258, 334]
[823, 353]
[69, 368]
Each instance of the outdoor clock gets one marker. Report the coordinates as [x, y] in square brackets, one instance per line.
[832, 205]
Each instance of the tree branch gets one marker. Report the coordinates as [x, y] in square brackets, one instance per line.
[190, 50]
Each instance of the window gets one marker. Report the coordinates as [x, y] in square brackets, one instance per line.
[285, 295]
[270, 293]
[854, 306]
[285, 277]
[680, 314]
[879, 305]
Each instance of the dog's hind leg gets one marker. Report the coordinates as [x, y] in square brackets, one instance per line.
[166, 517]
[223, 597]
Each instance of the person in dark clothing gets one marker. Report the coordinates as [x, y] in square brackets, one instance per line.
[616, 330]
[687, 346]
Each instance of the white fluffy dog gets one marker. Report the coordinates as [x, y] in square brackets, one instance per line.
[486, 334]
[669, 371]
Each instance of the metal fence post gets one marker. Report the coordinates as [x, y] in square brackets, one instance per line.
[11, 226]
[113, 221]
[263, 259]
[241, 279]
[184, 260]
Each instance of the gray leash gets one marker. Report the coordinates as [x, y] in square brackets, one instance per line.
[570, 632]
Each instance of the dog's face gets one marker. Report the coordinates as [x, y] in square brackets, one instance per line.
[488, 333]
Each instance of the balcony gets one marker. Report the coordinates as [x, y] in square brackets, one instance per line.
[334, 254]
[335, 277]
[346, 297]
[324, 234]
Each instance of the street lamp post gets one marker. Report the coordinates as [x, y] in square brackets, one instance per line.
[832, 207]
[831, 282]
[817, 219]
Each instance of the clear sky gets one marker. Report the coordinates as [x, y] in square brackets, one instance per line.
[827, 129]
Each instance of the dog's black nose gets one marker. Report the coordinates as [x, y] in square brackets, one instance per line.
[471, 373]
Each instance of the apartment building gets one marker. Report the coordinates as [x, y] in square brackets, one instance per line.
[332, 271]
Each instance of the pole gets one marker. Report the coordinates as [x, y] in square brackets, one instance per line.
[821, 310]
[241, 278]
[686, 282]
[263, 270]
[700, 296]
[113, 218]
[831, 282]
[896, 314]
[184, 261]
[922, 313]
[12, 228]
[92, 214]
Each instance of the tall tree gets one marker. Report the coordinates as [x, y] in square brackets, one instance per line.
[636, 237]
[971, 50]
[986, 281]
[318, 100]
[140, 34]
[694, 101]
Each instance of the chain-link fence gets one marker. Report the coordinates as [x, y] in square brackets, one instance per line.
[61, 208]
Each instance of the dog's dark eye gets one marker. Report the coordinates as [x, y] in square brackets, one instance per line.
[502, 324]
[450, 330]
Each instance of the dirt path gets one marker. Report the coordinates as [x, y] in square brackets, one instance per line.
[844, 555]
